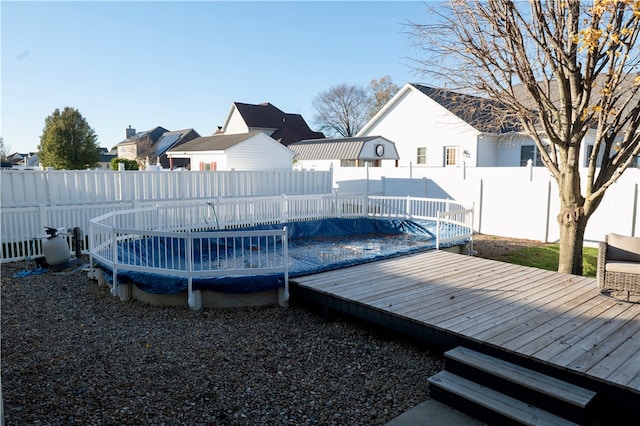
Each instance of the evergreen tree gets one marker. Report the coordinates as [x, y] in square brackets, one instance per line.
[68, 142]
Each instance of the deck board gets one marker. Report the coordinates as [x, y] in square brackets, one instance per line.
[556, 319]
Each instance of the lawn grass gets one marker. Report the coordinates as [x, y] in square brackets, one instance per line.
[546, 257]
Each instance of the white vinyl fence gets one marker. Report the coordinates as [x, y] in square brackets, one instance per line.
[519, 202]
[64, 199]
[32, 188]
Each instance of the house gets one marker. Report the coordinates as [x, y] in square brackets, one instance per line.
[440, 128]
[104, 162]
[244, 151]
[321, 154]
[24, 161]
[283, 127]
[153, 144]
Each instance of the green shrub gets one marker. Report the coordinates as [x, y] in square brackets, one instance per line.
[128, 164]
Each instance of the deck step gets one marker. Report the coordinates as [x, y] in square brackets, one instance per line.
[519, 376]
[530, 387]
[487, 404]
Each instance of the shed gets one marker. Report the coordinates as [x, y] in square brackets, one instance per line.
[344, 152]
[243, 151]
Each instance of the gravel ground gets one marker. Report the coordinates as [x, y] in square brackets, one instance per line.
[73, 354]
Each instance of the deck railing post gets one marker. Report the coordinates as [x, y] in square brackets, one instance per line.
[114, 261]
[408, 207]
[438, 224]
[283, 297]
[194, 298]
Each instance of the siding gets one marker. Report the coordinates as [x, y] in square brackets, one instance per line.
[260, 152]
[418, 121]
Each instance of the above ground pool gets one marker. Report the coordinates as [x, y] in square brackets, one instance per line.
[313, 246]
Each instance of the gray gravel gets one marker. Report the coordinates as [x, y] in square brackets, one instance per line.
[73, 354]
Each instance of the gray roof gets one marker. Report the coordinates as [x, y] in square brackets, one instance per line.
[485, 115]
[330, 149]
[219, 142]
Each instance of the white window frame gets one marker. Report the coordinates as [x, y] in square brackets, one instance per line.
[422, 157]
[447, 150]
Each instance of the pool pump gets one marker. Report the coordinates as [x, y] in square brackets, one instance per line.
[55, 248]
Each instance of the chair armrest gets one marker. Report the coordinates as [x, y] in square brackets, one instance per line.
[602, 260]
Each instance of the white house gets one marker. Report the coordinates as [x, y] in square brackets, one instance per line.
[244, 151]
[321, 154]
[440, 128]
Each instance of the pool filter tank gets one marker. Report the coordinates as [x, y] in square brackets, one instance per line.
[55, 248]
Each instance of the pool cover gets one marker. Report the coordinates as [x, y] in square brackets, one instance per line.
[314, 246]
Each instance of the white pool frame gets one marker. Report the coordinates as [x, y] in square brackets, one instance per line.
[192, 223]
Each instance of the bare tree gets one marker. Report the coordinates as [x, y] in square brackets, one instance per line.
[145, 152]
[382, 90]
[4, 149]
[341, 110]
[566, 70]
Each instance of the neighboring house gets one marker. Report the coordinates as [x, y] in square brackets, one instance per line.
[24, 161]
[245, 151]
[104, 162]
[321, 154]
[440, 128]
[283, 127]
[153, 144]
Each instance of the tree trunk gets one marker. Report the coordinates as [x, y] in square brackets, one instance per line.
[573, 222]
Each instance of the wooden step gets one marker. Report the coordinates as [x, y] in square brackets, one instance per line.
[487, 404]
[519, 376]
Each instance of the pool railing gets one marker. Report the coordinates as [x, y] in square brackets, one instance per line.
[185, 225]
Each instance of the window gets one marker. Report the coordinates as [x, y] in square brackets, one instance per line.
[421, 156]
[530, 152]
[370, 163]
[450, 155]
[360, 163]
[208, 166]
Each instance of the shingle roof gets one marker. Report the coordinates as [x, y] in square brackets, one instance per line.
[288, 128]
[219, 142]
[330, 149]
[485, 115]
[154, 134]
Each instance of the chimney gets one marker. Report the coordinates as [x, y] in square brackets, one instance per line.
[130, 131]
[219, 130]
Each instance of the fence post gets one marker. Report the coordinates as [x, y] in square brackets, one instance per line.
[634, 216]
[366, 166]
[284, 211]
[120, 195]
[408, 207]
[548, 220]
[183, 185]
[43, 217]
[50, 187]
[331, 175]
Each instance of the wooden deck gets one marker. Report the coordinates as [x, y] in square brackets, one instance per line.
[557, 320]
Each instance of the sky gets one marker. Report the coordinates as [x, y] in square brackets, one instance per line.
[181, 65]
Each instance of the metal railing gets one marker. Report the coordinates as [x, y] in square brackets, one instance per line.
[178, 239]
[453, 226]
[186, 254]
[23, 228]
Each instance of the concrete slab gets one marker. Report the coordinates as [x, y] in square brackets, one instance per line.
[433, 413]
